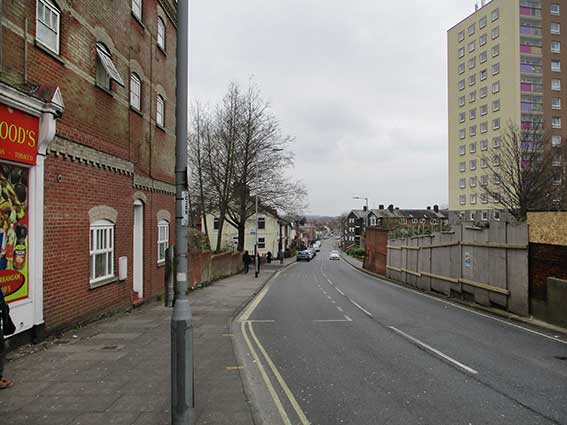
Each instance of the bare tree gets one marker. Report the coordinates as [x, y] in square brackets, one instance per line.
[525, 172]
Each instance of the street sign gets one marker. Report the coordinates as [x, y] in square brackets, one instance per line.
[185, 218]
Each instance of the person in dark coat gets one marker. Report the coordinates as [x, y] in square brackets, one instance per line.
[4, 319]
[269, 257]
[246, 261]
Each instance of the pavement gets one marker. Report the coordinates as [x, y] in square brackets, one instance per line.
[334, 345]
[117, 371]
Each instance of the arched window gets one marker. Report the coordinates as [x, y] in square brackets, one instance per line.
[160, 111]
[160, 33]
[135, 91]
[163, 239]
[101, 251]
[48, 25]
[137, 8]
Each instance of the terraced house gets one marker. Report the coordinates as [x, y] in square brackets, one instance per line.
[88, 195]
[505, 66]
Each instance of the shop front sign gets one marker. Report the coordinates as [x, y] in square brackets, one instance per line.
[18, 136]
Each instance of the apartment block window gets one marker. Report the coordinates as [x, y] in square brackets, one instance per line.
[472, 114]
[462, 199]
[471, 29]
[472, 130]
[472, 46]
[462, 166]
[496, 215]
[555, 9]
[495, 33]
[555, 47]
[216, 223]
[483, 75]
[472, 164]
[137, 8]
[462, 150]
[472, 96]
[473, 198]
[462, 133]
[483, 56]
[160, 111]
[461, 36]
[461, 52]
[106, 72]
[261, 243]
[48, 21]
[472, 62]
[495, 50]
[496, 179]
[484, 145]
[135, 91]
[261, 223]
[556, 66]
[483, 163]
[494, 15]
[484, 180]
[496, 87]
[557, 180]
[555, 28]
[496, 160]
[483, 110]
[556, 122]
[462, 183]
[101, 261]
[495, 68]
[461, 68]
[556, 84]
[462, 85]
[496, 142]
[482, 40]
[472, 181]
[496, 124]
[482, 22]
[483, 92]
[163, 239]
[555, 103]
[484, 198]
[555, 140]
[472, 80]
[483, 127]
[484, 216]
[462, 101]
[462, 117]
[496, 105]
[160, 33]
[472, 148]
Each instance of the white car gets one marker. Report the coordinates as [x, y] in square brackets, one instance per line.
[334, 255]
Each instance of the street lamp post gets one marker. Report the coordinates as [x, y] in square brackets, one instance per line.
[256, 253]
[361, 197]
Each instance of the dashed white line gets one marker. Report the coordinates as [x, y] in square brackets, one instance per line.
[361, 308]
[429, 348]
[340, 309]
[340, 292]
[329, 297]
[348, 318]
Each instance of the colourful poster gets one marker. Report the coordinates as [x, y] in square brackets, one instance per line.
[18, 135]
[14, 224]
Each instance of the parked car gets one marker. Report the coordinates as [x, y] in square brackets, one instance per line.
[303, 256]
[312, 252]
[334, 255]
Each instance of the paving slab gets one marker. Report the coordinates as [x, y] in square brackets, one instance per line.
[117, 371]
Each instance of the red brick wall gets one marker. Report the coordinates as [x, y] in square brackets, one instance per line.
[68, 297]
[376, 251]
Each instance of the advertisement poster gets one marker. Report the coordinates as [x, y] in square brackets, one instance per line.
[14, 222]
[18, 135]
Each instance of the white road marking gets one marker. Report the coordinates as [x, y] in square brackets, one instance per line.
[332, 320]
[434, 351]
[348, 318]
[324, 292]
[340, 309]
[360, 308]
[333, 301]
[260, 321]
[340, 292]
[329, 297]
[460, 307]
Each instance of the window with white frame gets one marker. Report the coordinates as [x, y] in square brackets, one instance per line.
[472, 62]
[555, 84]
[48, 25]
[106, 71]
[496, 141]
[494, 15]
[483, 75]
[482, 22]
[461, 68]
[484, 127]
[261, 223]
[484, 145]
[472, 114]
[472, 46]
[472, 96]
[496, 215]
[496, 160]
[462, 85]
[495, 50]
[462, 199]
[472, 147]
[101, 253]
[484, 198]
[461, 35]
[555, 66]
[163, 239]
[496, 124]
[483, 92]
[372, 220]
[484, 215]
[461, 52]
[462, 101]
[160, 111]
[472, 181]
[135, 91]
[462, 117]
[462, 166]
[462, 133]
[496, 68]
[483, 110]
[483, 57]
[261, 243]
[555, 28]
[473, 199]
[554, 9]
[472, 79]
[482, 40]
[555, 103]
[160, 33]
[555, 140]
[483, 163]
[472, 130]
[555, 47]
[137, 8]
[472, 164]
[462, 150]
[495, 87]
[462, 183]
[471, 29]
[484, 180]
[495, 33]
[556, 122]
[496, 105]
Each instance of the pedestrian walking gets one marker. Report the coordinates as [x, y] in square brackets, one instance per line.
[269, 257]
[246, 261]
[281, 256]
[7, 327]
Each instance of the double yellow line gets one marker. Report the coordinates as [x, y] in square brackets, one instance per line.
[252, 341]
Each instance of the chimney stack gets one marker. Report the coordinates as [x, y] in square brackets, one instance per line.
[391, 207]
[428, 208]
[380, 207]
[436, 208]
[365, 208]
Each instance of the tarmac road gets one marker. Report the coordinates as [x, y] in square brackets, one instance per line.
[326, 344]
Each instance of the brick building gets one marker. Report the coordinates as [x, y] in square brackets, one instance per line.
[86, 201]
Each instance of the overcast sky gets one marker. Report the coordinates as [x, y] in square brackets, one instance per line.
[361, 85]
